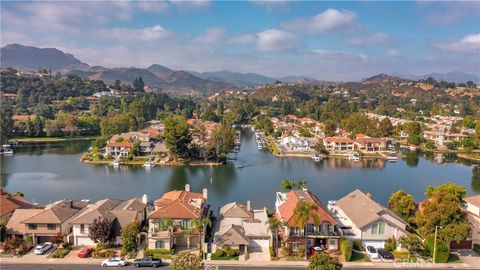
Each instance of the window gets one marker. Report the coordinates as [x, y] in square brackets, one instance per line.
[32, 226]
[184, 224]
[159, 244]
[378, 228]
[51, 227]
[82, 228]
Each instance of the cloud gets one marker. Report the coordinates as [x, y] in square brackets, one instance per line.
[274, 40]
[329, 20]
[468, 44]
[339, 56]
[272, 4]
[445, 13]
[146, 34]
[212, 35]
[371, 40]
[394, 53]
[153, 6]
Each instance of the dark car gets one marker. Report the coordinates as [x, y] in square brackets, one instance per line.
[85, 252]
[147, 261]
[385, 254]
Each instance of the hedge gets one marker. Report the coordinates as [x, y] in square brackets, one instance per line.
[442, 252]
[152, 252]
[346, 249]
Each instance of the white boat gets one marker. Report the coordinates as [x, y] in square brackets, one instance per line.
[6, 145]
[7, 151]
[354, 157]
[149, 164]
[316, 158]
[260, 147]
[116, 163]
[392, 158]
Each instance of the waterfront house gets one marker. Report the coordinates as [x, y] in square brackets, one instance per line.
[118, 149]
[472, 207]
[10, 202]
[170, 222]
[441, 138]
[132, 136]
[367, 144]
[119, 213]
[324, 235]
[44, 223]
[339, 145]
[240, 226]
[362, 218]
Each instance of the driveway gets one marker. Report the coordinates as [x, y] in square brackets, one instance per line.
[32, 257]
[258, 254]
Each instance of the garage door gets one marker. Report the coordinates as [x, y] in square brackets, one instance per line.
[258, 243]
[84, 241]
[43, 239]
[374, 243]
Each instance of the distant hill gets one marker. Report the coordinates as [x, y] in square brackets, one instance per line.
[235, 78]
[453, 76]
[31, 58]
[382, 78]
[158, 68]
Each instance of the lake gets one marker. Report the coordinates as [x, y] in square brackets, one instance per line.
[46, 172]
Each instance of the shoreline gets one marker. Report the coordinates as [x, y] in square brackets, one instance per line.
[51, 139]
[468, 157]
[157, 164]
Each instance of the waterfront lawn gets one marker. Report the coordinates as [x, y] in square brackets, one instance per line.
[359, 257]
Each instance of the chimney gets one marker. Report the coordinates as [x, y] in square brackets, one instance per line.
[369, 195]
[205, 193]
[248, 206]
[145, 199]
[187, 187]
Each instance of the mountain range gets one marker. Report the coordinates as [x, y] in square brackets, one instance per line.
[28, 58]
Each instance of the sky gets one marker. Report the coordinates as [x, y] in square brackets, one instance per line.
[325, 40]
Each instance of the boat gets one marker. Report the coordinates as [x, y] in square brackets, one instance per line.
[149, 164]
[6, 145]
[239, 166]
[354, 157]
[392, 158]
[7, 151]
[316, 158]
[116, 163]
[260, 146]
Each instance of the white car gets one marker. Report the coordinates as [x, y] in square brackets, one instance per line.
[42, 248]
[372, 252]
[115, 261]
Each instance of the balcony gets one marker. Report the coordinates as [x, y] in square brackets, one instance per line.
[315, 231]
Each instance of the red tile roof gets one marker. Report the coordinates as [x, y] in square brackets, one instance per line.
[120, 144]
[338, 139]
[179, 204]
[21, 117]
[293, 197]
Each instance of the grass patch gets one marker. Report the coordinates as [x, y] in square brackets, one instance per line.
[224, 258]
[295, 258]
[454, 258]
[404, 256]
[359, 257]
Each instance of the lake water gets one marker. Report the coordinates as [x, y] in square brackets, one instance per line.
[50, 171]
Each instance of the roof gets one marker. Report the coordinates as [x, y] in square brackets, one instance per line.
[21, 117]
[369, 140]
[473, 200]
[8, 203]
[294, 197]
[7, 206]
[337, 139]
[235, 210]
[232, 237]
[160, 147]
[361, 209]
[58, 212]
[120, 144]
[179, 204]
[111, 209]
[15, 225]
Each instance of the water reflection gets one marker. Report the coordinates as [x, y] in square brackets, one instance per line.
[412, 158]
[476, 179]
[343, 163]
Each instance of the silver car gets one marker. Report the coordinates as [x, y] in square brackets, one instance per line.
[115, 261]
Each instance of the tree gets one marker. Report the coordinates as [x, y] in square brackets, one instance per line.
[129, 237]
[476, 179]
[402, 204]
[263, 122]
[443, 208]
[135, 148]
[186, 261]
[275, 225]
[100, 231]
[302, 214]
[118, 124]
[223, 140]
[6, 122]
[177, 135]
[286, 185]
[412, 243]
[385, 127]
[138, 84]
[197, 227]
[117, 85]
[329, 128]
[321, 261]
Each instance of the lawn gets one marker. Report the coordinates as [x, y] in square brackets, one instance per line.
[224, 258]
[454, 258]
[359, 257]
[295, 258]
[404, 256]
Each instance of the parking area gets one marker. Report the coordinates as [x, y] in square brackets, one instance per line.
[32, 256]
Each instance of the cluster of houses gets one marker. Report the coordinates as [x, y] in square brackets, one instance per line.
[237, 225]
[362, 143]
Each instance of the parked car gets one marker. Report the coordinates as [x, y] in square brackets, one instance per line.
[85, 252]
[372, 252]
[42, 248]
[115, 261]
[385, 254]
[314, 250]
[147, 261]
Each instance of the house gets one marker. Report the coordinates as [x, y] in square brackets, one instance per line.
[132, 136]
[240, 226]
[370, 145]
[473, 215]
[442, 138]
[339, 144]
[362, 218]
[118, 149]
[325, 234]
[171, 220]
[119, 213]
[9, 203]
[44, 223]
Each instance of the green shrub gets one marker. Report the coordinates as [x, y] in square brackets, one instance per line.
[174, 248]
[346, 249]
[391, 244]
[273, 255]
[286, 251]
[357, 244]
[233, 252]
[104, 253]
[61, 252]
[301, 252]
[442, 252]
[219, 253]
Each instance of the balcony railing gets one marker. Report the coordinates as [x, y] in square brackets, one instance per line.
[316, 232]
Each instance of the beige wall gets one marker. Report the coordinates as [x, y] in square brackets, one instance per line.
[42, 229]
[390, 231]
[475, 225]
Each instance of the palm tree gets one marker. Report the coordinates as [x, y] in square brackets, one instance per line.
[197, 226]
[274, 224]
[301, 215]
[301, 184]
[286, 185]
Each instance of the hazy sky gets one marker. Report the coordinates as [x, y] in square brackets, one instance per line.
[326, 40]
